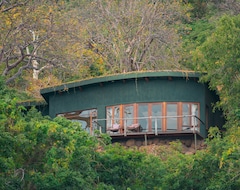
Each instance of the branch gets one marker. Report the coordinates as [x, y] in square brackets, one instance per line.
[1, 55]
[1, 3]
[19, 172]
[17, 74]
[145, 50]
[40, 58]
[48, 66]
[9, 67]
[13, 6]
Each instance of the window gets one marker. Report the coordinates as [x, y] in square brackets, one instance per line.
[143, 115]
[171, 116]
[155, 117]
[84, 117]
[113, 116]
[186, 112]
[109, 117]
[194, 113]
[128, 115]
[190, 111]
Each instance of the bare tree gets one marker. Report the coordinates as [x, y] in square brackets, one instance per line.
[7, 5]
[126, 35]
[135, 35]
[232, 6]
[26, 32]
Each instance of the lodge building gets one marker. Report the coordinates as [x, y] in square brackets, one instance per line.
[138, 105]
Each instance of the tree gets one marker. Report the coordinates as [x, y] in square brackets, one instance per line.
[135, 35]
[26, 38]
[219, 57]
[227, 6]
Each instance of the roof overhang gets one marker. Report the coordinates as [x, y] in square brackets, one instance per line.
[124, 76]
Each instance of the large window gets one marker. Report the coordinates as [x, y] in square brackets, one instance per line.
[171, 116]
[84, 117]
[154, 117]
[128, 115]
[156, 113]
[191, 115]
[143, 115]
[113, 115]
[186, 110]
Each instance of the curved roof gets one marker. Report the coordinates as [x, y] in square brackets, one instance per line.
[123, 76]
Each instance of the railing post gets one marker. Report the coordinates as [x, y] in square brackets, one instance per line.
[195, 135]
[125, 128]
[145, 139]
[195, 141]
[155, 123]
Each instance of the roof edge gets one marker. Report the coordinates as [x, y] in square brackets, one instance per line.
[122, 76]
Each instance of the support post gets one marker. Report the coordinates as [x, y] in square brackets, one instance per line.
[155, 123]
[125, 128]
[145, 138]
[195, 141]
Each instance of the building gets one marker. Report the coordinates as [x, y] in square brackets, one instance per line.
[138, 105]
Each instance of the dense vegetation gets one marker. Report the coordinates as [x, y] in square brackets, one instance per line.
[42, 153]
[48, 42]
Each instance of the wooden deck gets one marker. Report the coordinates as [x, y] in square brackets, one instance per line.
[173, 133]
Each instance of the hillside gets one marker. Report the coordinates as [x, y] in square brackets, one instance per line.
[48, 43]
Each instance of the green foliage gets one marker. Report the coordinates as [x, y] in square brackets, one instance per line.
[199, 8]
[125, 168]
[194, 35]
[40, 153]
[219, 57]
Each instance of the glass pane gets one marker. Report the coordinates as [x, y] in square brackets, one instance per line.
[186, 112]
[128, 115]
[194, 111]
[83, 117]
[109, 117]
[172, 120]
[83, 124]
[117, 114]
[143, 114]
[156, 113]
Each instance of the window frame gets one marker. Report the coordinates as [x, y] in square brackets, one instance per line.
[162, 116]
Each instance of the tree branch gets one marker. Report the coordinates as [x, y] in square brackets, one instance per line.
[17, 74]
[13, 6]
[15, 64]
[146, 46]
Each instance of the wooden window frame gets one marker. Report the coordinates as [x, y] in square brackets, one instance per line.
[174, 103]
[163, 114]
[150, 114]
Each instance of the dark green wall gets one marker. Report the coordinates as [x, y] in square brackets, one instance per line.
[215, 116]
[130, 91]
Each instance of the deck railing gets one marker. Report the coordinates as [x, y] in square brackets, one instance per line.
[116, 129]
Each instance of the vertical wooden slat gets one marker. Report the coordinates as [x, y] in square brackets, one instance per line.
[113, 116]
[121, 118]
[164, 121]
[180, 119]
[135, 113]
